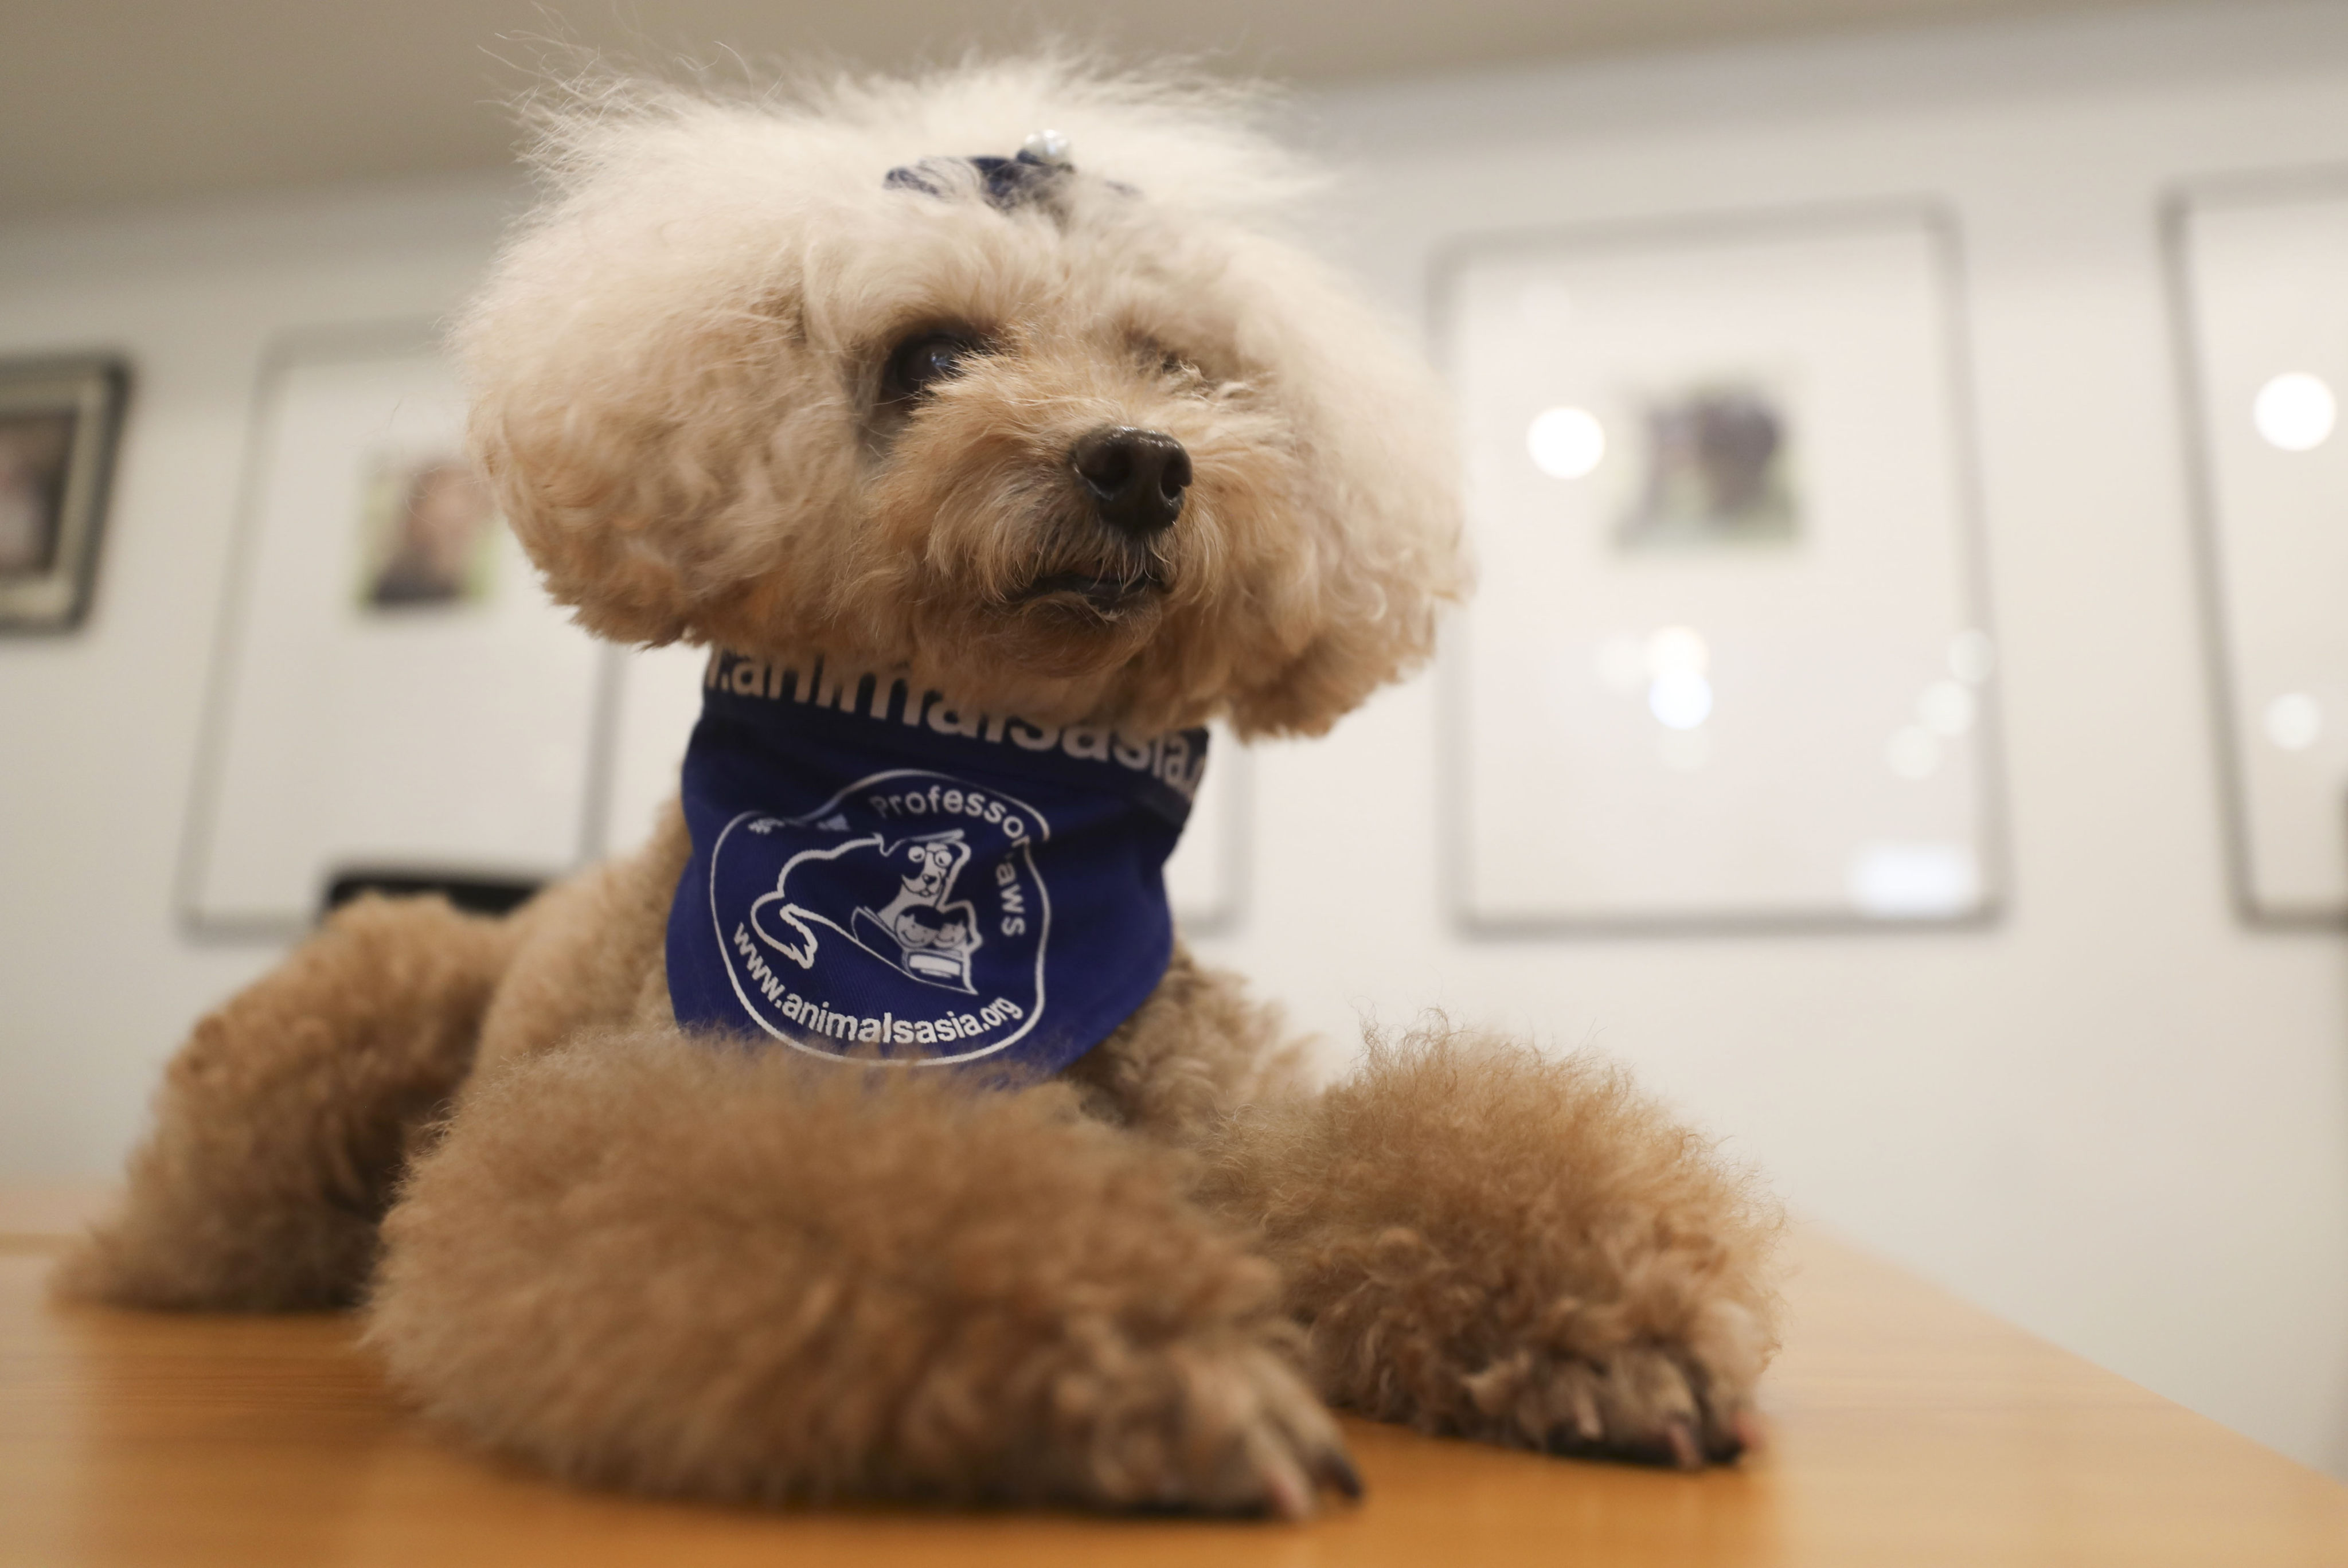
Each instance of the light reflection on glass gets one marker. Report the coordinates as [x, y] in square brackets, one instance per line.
[2294, 721]
[1911, 881]
[1565, 443]
[2294, 412]
[1679, 699]
[1971, 656]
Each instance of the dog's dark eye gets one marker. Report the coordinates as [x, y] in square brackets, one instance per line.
[923, 360]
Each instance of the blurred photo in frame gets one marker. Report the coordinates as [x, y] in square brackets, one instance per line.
[2262, 331]
[396, 703]
[1719, 468]
[59, 418]
[430, 529]
[1729, 668]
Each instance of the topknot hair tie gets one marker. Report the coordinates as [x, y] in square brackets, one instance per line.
[1040, 164]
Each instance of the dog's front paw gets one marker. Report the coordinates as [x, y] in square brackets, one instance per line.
[1216, 1428]
[1684, 1405]
[1489, 1242]
[1657, 1369]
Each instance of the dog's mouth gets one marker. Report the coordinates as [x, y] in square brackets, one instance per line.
[1109, 595]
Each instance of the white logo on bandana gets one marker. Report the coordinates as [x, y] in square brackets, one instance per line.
[905, 916]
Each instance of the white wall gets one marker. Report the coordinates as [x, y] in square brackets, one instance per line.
[2118, 1117]
[98, 728]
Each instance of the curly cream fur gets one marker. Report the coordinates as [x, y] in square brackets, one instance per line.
[848, 1287]
[672, 368]
[1491, 1244]
[285, 1118]
[683, 1264]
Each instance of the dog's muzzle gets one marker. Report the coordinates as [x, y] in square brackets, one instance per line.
[1135, 477]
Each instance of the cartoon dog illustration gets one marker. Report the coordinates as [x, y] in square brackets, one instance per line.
[918, 931]
[934, 939]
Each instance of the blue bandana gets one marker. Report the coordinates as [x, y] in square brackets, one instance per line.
[882, 876]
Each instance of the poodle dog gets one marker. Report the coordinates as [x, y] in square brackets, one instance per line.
[869, 1132]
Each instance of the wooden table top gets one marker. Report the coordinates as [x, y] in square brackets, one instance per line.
[1905, 1428]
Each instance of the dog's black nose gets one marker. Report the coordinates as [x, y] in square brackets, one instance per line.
[1137, 477]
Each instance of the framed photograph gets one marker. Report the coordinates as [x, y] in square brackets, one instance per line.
[1729, 666]
[58, 423]
[431, 535]
[395, 701]
[2262, 328]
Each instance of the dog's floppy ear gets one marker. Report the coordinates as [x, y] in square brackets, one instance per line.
[1379, 511]
[644, 395]
[644, 435]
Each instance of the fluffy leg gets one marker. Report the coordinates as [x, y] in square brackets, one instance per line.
[282, 1123]
[1489, 1244]
[680, 1266]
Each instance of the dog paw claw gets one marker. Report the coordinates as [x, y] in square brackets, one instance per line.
[1642, 1405]
[1681, 1436]
[1238, 1434]
[1336, 1470]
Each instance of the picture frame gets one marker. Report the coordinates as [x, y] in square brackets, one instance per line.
[1730, 670]
[60, 422]
[396, 701]
[2258, 331]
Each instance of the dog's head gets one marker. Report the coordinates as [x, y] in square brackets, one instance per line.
[1071, 434]
[934, 862]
